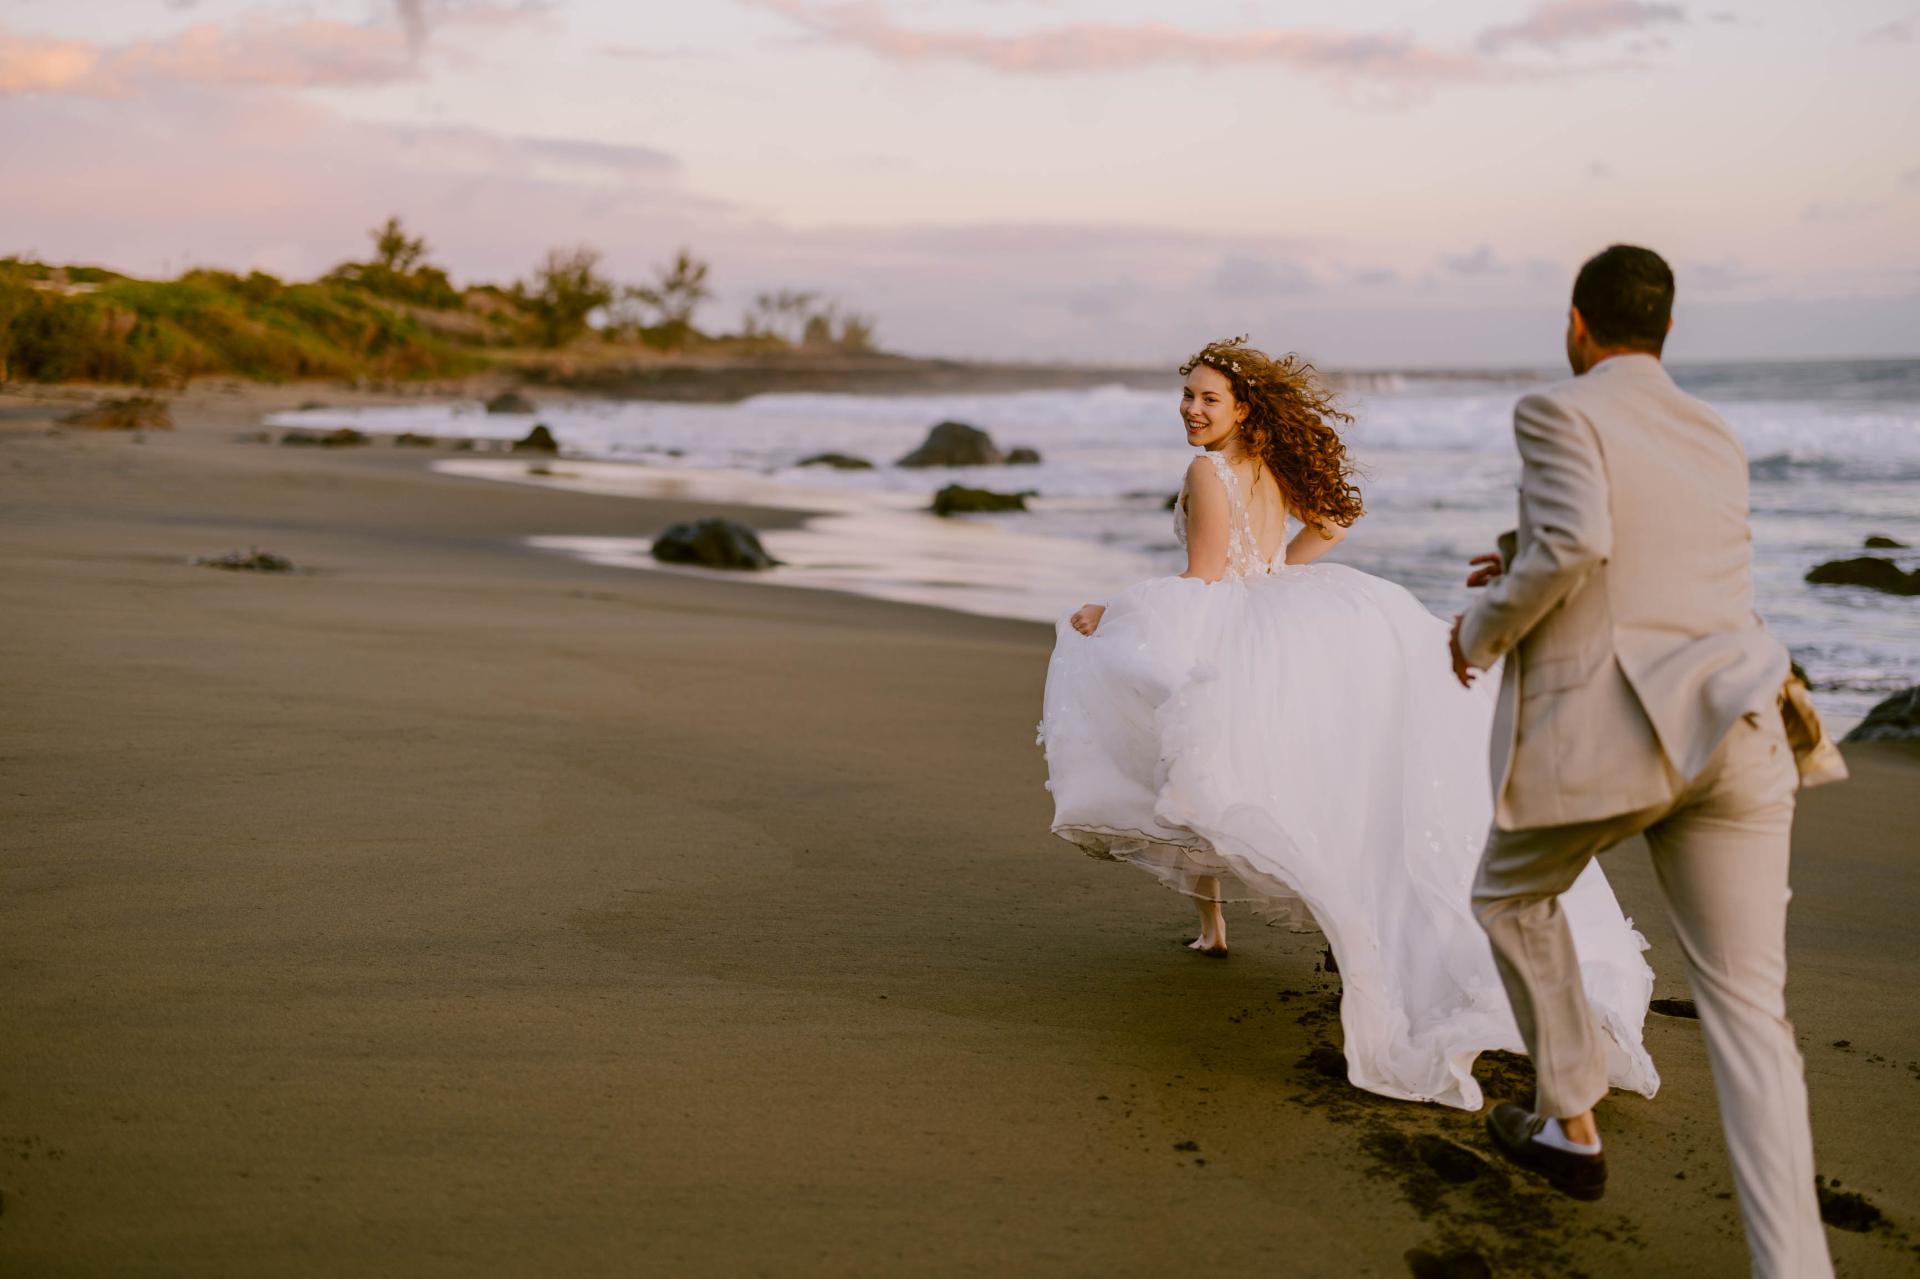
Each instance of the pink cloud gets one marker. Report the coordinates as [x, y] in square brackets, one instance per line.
[258, 51]
[1081, 48]
[310, 54]
[1559, 22]
[39, 64]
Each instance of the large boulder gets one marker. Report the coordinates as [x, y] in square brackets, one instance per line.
[838, 461]
[1881, 542]
[955, 444]
[958, 499]
[1869, 571]
[343, 437]
[538, 440]
[510, 402]
[712, 543]
[1897, 719]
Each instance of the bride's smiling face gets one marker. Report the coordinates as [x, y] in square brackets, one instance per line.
[1207, 406]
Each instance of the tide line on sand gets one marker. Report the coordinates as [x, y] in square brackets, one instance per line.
[878, 544]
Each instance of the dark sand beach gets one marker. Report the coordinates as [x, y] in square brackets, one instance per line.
[452, 908]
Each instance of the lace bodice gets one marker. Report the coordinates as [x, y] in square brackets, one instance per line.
[1243, 548]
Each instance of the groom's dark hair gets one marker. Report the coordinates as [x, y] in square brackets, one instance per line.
[1625, 294]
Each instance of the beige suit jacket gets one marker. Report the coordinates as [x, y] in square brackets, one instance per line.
[1626, 615]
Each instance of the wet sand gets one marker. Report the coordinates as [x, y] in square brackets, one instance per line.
[453, 906]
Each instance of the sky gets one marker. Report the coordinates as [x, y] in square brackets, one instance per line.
[1375, 183]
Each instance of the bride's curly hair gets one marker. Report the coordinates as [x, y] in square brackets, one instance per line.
[1289, 426]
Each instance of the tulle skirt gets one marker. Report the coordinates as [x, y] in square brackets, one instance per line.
[1299, 741]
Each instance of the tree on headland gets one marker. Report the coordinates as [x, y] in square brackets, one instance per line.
[566, 289]
[399, 270]
[804, 319]
[781, 315]
[395, 250]
[661, 313]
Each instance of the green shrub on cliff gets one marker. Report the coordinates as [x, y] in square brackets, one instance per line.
[209, 322]
[393, 316]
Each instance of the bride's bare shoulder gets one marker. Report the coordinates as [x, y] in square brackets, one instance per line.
[1204, 475]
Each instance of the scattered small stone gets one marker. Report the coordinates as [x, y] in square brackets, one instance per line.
[838, 461]
[252, 561]
[955, 444]
[254, 437]
[132, 413]
[1881, 542]
[538, 440]
[712, 543]
[408, 440]
[510, 402]
[1462, 1263]
[1675, 1008]
[1453, 1163]
[1894, 719]
[1871, 571]
[344, 437]
[1844, 1209]
[308, 406]
[1186, 1145]
[958, 499]
[1843, 1043]
[1023, 457]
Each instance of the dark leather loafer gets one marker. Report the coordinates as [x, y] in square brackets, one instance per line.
[1577, 1176]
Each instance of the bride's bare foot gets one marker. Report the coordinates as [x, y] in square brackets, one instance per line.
[1212, 940]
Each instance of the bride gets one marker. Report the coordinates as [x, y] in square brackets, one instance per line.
[1267, 729]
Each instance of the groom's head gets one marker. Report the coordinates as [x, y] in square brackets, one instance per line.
[1622, 301]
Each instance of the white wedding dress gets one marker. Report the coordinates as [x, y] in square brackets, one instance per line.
[1296, 732]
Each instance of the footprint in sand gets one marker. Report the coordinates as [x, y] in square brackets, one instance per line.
[1461, 1264]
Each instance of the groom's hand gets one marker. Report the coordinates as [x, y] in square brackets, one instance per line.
[1461, 671]
[1485, 569]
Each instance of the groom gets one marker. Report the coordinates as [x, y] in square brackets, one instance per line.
[1639, 697]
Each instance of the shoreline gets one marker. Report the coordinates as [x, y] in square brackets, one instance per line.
[456, 905]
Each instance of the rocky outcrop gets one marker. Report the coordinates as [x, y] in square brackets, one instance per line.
[1023, 457]
[1870, 571]
[538, 440]
[1881, 542]
[510, 402]
[1897, 719]
[838, 461]
[955, 444]
[254, 561]
[344, 437]
[134, 413]
[958, 499]
[712, 543]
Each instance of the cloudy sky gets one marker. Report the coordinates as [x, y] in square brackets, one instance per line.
[1374, 182]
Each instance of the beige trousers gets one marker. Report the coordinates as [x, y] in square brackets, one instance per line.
[1720, 850]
